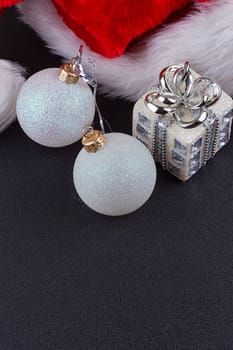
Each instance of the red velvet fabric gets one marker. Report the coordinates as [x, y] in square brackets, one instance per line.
[7, 3]
[107, 27]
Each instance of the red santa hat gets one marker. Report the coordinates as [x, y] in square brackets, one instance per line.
[131, 40]
[109, 29]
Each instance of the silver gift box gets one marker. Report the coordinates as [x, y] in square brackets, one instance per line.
[184, 121]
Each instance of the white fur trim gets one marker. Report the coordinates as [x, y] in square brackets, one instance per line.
[203, 38]
[10, 83]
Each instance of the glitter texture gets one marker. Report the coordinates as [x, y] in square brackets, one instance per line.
[118, 179]
[53, 113]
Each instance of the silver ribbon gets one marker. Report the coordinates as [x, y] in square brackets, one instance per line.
[181, 95]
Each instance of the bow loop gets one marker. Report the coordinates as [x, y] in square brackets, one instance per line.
[181, 95]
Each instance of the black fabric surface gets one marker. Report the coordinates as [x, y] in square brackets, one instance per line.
[70, 279]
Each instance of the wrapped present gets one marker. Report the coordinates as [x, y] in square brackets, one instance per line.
[184, 121]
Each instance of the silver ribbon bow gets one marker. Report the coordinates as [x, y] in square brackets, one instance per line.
[181, 95]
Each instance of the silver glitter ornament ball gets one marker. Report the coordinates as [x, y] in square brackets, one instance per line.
[52, 112]
[117, 179]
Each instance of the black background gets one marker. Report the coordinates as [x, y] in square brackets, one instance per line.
[160, 278]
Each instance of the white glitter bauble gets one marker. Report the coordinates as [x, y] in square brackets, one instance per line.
[52, 112]
[118, 179]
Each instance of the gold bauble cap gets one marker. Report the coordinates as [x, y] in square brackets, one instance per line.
[70, 72]
[93, 141]
[67, 74]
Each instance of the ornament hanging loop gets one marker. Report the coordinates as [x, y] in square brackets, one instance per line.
[73, 71]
